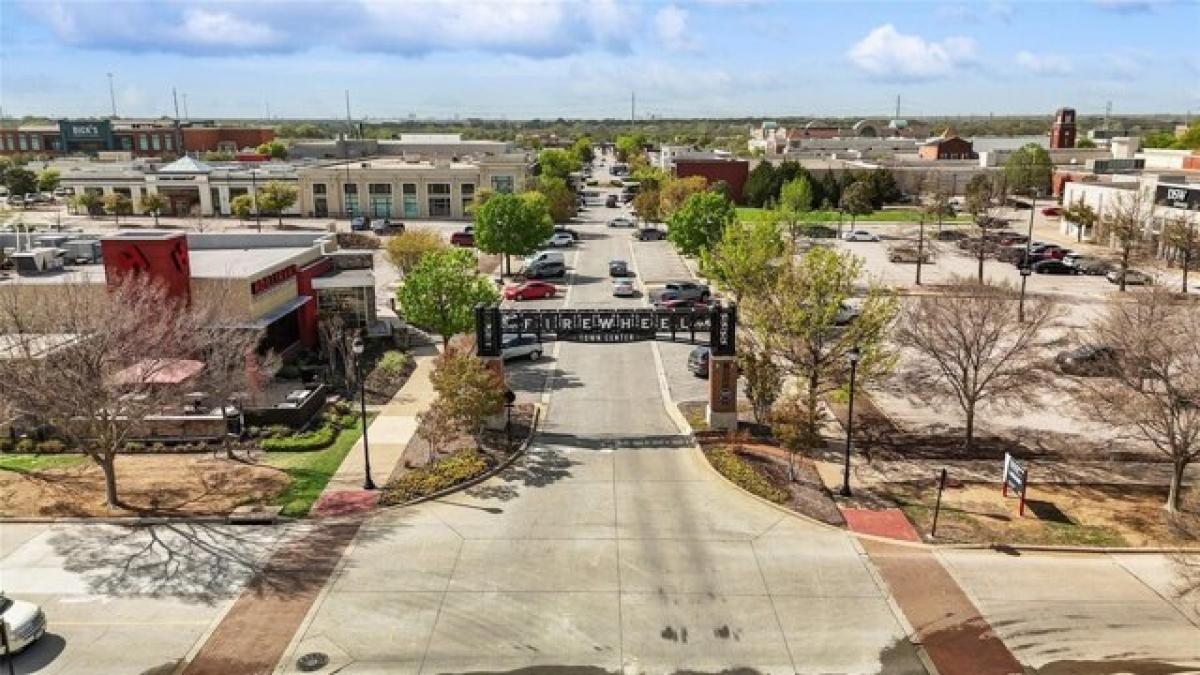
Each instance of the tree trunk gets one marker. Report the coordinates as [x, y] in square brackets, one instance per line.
[969, 441]
[280, 214]
[445, 342]
[1174, 494]
[109, 468]
[155, 214]
[792, 465]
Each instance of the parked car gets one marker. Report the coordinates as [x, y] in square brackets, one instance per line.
[846, 314]
[1053, 267]
[689, 290]
[562, 229]
[672, 301]
[618, 268]
[623, 288]
[1052, 211]
[385, 226]
[360, 224]
[560, 239]
[518, 346]
[24, 622]
[1093, 266]
[463, 238]
[951, 235]
[908, 254]
[1089, 361]
[697, 363]
[819, 232]
[859, 235]
[1132, 278]
[990, 222]
[621, 221]
[611, 201]
[649, 234]
[544, 269]
[530, 290]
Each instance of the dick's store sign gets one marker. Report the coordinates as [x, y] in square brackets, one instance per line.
[1178, 196]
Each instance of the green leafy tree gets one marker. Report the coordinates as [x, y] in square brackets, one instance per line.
[978, 194]
[1029, 168]
[883, 187]
[676, 191]
[1158, 139]
[745, 257]
[560, 199]
[760, 185]
[20, 181]
[276, 197]
[763, 375]
[406, 249]
[648, 205]
[88, 202]
[630, 146]
[468, 391]
[582, 149]
[512, 224]
[242, 206]
[800, 310]
[153, 203]
[117, 205]
[48, 180]
[1085, 143]
[557, 162]
[440, 292]
[698, 225]
[856, 200]
[1084, 218]
[796, 195]
[276, 149]
[831, 190]
[650, 177]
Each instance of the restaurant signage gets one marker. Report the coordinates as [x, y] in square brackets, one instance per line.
[270, 281]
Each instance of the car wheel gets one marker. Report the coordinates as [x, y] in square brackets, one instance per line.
[519, 297]
[535, 355]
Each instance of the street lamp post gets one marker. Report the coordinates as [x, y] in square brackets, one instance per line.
[1026, 268]
[358, 348]
[853, 355]
[254, 197]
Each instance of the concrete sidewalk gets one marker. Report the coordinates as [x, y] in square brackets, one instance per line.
[988, 471]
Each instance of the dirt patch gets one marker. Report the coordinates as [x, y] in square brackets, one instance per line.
[147, 484]
[1082, 515]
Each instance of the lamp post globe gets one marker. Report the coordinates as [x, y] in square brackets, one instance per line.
[853, 356]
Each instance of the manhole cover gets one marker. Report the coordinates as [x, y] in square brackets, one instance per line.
[312, 661]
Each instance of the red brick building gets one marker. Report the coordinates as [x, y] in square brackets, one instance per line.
[733, 172]
[947, 146]
[231, 139]
[1062, 133]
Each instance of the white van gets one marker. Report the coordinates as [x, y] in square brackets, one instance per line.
[544, 256]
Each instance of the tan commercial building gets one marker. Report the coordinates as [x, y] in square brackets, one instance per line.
[396, 188]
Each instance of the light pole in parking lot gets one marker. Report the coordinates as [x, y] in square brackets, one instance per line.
[1026, 264]
[358, 349]
[853, 356]
[254, 197]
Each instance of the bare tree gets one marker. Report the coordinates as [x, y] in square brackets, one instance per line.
[121, 356]
[1179, 243]
[1155, 390]
[337, 342]
[969, 346]
[1124, 226]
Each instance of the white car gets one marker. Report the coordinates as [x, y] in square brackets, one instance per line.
[860, 235]
[623, 288]
[560, 239]
[621, 222]
[23, 621]
[518, 346]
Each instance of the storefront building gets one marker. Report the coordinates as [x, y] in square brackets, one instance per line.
[141, 138]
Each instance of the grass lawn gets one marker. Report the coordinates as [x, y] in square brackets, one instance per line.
[889, 215]
[310, 471]
[18, 463]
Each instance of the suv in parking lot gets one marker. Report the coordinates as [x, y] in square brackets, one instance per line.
[908, 254]
[687, 290]
[24, 622]
[545, 268]
[518, 346]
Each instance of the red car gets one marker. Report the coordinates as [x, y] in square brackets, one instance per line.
[1051, 211]
[466, 239]
[530, 290]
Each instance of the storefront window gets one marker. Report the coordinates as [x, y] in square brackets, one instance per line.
[502, 183]
[411, 208]
[8, 143]
[35, 142]
[351, 192]
[23, 141]
[143, 142]
[381, 200]
[468, 196]
[439, 200]
[156, 142]
[169, 142]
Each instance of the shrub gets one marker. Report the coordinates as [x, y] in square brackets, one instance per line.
[25, 445]
[51, 447]
[317, 439]
[742, 474]
[254, 432]
[357, 240]
[158, 448]
[347, 421]
[277, 431]
[393, 362]
[134, 446]
[447, 472]
[342, 407]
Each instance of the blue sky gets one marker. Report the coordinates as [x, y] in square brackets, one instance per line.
[568, 58]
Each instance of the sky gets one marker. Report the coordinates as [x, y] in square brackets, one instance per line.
[521, 59]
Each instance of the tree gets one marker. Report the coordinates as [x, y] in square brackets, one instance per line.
[676, 191]
[882, 185]
[468, 391]
[649, 177]
[630, 146]
[557, 163]
[796, 425]
[1029, 168]
[743, 259]
[560, 199]
[760, 185]
[20, 181]
[153, 203]
[698, 225]
[242, 206]
[647, 204]
[1155, 387]
[276, 197]
[513, 224]
[48, 180]
[88, 201]
[970, 348]
[831, 190]
[98, 391]
[796, 195]
[117, 205]
[1085, 143]
[978, 194]
[1083, 217]
[440, 292]
[435, 427]
[856, 200]
[582, 149]
[1124, 226]
[276, 149]
[406, 249]
[800, 309]
[1179, 243]
[764, 377]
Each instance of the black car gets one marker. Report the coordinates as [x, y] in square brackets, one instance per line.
[649, 234]
[1089, 361]
[1053, 267]
[618, 268]
[611, 201]
[951, 235]
[697, 362]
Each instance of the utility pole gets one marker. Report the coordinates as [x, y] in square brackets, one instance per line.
[632, 106]
[349, 124]
[897, 107]
[1107, 112]
[112, 95]
[186, 116]
[178, 133]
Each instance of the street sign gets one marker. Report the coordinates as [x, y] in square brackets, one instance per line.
[1016, 478]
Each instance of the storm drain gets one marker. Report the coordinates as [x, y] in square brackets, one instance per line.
[312, 661]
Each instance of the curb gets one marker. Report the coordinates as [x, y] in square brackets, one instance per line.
[480, 478]
[133, 521]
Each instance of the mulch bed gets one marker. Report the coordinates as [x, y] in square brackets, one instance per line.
[382, 385]
[496, 445]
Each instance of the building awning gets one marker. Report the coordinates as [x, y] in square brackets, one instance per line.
[277, 313]
[345, 279]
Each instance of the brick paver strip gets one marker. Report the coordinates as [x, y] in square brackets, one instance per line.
[891, 523]
[955, 635]
[253, 635]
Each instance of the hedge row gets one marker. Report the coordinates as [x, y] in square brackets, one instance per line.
[319, 438]
[744, 475]
[455, 469]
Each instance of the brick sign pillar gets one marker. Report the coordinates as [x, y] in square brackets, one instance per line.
[722, 370]
[488, 339]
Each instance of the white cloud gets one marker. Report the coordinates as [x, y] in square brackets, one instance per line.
[1044, 64]
[888, 53]
[671, 27]
[222, 28]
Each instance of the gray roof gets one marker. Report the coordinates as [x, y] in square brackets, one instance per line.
[186, 165]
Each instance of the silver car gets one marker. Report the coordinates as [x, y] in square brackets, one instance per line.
[623, 288]
[24, 622]
[521, 346]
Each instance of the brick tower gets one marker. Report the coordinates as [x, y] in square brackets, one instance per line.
[1062, 134]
